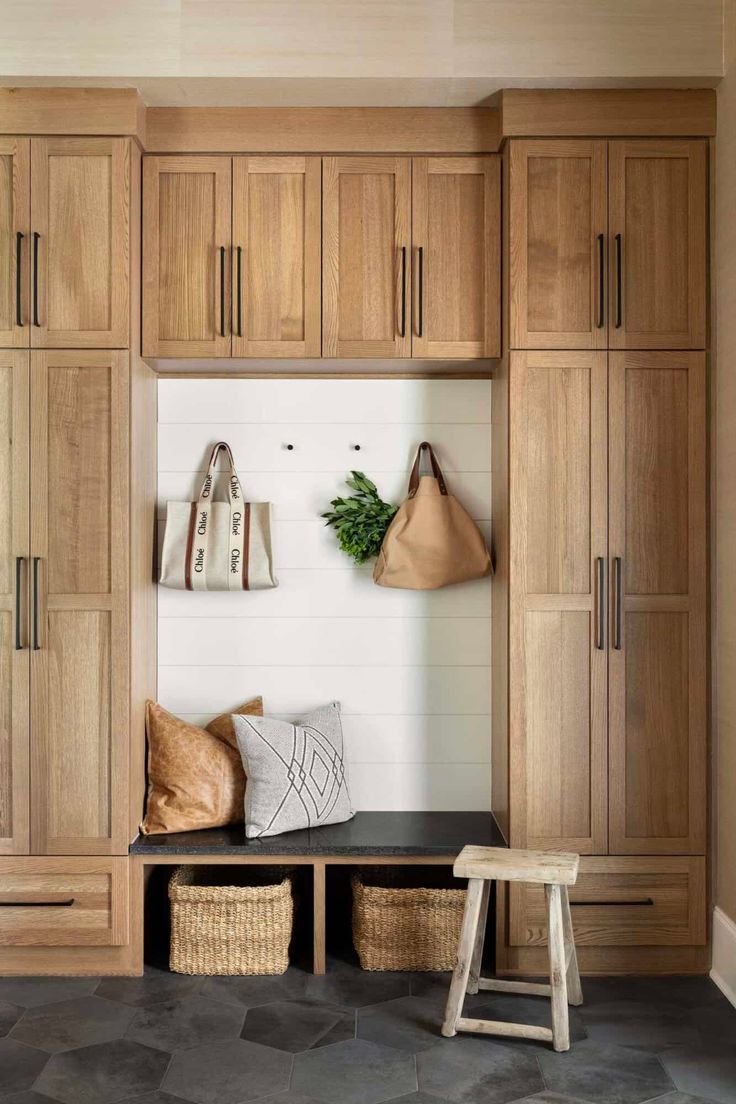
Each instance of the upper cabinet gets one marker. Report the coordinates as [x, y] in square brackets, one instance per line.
[307, 256]
[186, 247]
[456, 244]
[607, 244]
[276, 256]
[64, 242]
[657, 229]
[366, 233]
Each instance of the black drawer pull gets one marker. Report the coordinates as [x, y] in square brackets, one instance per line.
[18, 278]
[67, 902]
[36, 238]
[642, 901]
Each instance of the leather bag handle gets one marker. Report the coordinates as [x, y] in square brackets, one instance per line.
[436, 470]
[234, 489]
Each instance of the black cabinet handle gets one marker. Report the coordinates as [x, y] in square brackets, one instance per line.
[222, 290]
[644, 902]
[600, 611]
[18, 577]
[18, 278]
[420, 292]
[239, 298]
[36, 645]
[617, 599]
[36, 238]
[66, 902]
[619, 282]
[601, 282]
[402, 331]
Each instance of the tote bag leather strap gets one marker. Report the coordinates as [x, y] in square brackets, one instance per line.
[436, 470]
[200, 524]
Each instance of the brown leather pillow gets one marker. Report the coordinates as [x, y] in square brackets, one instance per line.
[195, 775]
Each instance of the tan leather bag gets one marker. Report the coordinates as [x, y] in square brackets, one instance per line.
[432, 540]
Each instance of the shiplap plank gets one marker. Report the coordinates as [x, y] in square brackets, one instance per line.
[443, 787]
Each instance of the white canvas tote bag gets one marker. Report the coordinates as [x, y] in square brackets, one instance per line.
[212, 545]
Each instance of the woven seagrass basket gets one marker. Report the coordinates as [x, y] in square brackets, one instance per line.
[230, 929]
[403, 927]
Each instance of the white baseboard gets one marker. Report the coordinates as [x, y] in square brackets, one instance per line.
[723, 972]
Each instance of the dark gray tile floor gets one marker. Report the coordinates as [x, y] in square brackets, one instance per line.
[353, 1038]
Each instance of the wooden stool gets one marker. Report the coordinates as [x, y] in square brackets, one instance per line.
[481, 865]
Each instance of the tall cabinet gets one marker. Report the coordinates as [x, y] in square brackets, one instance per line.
[65, 585]
[602, 426]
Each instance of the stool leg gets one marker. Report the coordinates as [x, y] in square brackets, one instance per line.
[574, 990]
[480, 939]
[557, 970]
[459, 983]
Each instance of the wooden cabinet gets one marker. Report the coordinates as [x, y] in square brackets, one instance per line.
[186, 269]
[607, 244]
[558, 216]
[366, 261]
[80, 259]
[456, 203]
[276, 246]
[657, 227]
[15, 212]
[558, 554]
[14, 566]
[657, 659]
[79, 607]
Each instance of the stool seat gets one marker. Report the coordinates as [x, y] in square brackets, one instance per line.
[555, 871]
[513, 865]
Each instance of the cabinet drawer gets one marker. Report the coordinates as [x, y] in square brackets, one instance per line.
[60, 902]
[621, 902]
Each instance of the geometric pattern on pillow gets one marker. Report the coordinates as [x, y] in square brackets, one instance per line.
[296, 773]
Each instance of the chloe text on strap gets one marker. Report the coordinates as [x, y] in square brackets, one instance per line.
[198, 536]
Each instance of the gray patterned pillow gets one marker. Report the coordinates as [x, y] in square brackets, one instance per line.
[296, 777]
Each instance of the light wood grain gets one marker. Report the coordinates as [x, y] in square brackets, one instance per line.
[465, 952]
[80, 670]
[657, 203]
[96, 888]
[609, 112]
[557, 968]
[456, 211]
[609, 904]
[14, 665]
[319, 919]
[186, 222]
[80, 206]
[15, 213]
[380, 130]
[514, 864]
[558, 199]
[657, 706]
[366, 222]
[557, 674]
[277, 225]
[104, 111]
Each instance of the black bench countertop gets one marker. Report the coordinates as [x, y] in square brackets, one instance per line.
[366, 834]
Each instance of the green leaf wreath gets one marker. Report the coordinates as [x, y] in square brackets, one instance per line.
[361, 520]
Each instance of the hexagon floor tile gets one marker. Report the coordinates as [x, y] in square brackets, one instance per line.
[103, 1073]
[20, 1065]
[27, 992]
[181, 1024]
[604, 1074]
[65, 1025]
[9, 1016]
[228, 1073]
[298, 1025]
[155, 986]
[469, 1070]
[356, 1072]
[409, 1023]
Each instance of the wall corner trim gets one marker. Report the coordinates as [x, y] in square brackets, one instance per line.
[723, 971]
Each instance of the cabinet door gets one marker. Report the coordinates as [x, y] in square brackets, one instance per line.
[79, 615]
[186, 269]
[456, 232]
[80, 207]
[558, 547]
[657, 666]
[14, 642]
[366, 278]
[276, 256]
[557, 238]
[657, 224]
[15, 211]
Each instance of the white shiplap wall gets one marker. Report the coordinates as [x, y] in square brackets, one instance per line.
[410, 668]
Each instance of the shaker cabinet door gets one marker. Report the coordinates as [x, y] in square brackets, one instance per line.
[186, 256]
[456, 253]
[79, 602]
[80, 257]
[15, 210]
[657, 228]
